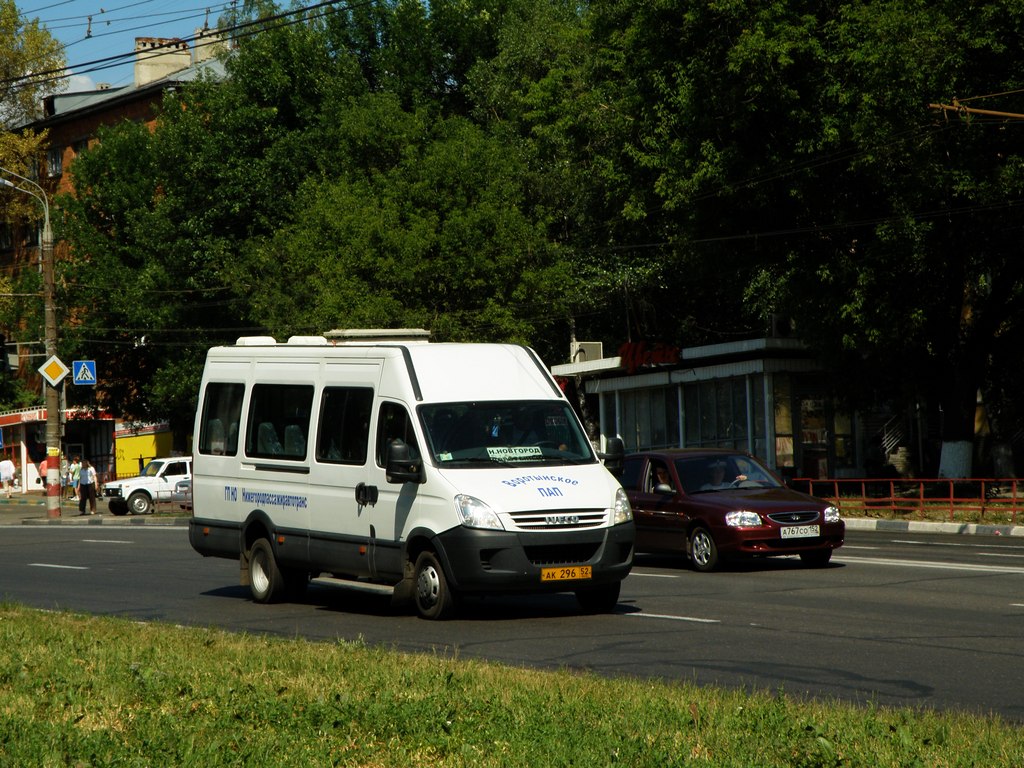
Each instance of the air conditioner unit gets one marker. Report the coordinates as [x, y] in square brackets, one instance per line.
[584, 351]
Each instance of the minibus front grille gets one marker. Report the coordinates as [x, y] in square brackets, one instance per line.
[560, 520]
[561, 554]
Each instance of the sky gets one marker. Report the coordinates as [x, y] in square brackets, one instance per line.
[91, 30]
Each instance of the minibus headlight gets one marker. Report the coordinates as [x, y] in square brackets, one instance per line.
[476, 514]
[831, 514]
[621, 511]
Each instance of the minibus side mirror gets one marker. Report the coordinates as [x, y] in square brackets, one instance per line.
[614, 455]
[401, 466]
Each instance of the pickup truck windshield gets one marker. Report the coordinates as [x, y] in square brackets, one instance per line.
[152, 469]
[504, 432]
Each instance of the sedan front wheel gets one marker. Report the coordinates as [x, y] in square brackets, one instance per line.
[703, 551]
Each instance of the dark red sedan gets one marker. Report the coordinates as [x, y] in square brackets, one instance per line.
[720, 504]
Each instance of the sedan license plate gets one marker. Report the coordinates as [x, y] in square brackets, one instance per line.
[568, 573]
[800, 531]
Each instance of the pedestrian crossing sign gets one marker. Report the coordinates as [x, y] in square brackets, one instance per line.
[84, 372]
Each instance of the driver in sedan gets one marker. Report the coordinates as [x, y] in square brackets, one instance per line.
[718, 482]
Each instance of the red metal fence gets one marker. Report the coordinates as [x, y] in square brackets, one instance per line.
[973, 500]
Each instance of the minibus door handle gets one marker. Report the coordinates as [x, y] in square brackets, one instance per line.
[366, 494]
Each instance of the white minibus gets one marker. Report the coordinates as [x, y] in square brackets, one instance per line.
[430, 470]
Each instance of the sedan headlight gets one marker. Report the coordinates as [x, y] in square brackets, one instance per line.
[831, 514]
[742, 518]
[622, 512]
[476, 514]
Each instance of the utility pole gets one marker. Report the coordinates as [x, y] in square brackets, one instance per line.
[52, 398]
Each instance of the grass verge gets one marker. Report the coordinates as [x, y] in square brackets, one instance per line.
[86, 691]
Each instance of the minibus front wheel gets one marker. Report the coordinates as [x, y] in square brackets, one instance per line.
[434, 598]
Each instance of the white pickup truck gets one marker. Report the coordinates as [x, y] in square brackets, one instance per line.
[156, 483]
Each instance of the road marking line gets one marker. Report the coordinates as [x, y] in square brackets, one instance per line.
[850, 546]
[107, 541]
[643, 615]
[54, 565]
[932, 564]
[970, 544]
[998, 554]
[1017, 605]
[655, 575]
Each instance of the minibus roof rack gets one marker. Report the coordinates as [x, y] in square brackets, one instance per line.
[255, 341]
[370, 335]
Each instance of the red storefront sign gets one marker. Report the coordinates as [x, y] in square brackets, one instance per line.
[636, 354]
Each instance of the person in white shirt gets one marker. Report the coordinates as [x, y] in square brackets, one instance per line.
[7, 469]
[87, 488]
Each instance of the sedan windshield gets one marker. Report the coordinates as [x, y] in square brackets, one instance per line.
[723, 471]
[470, 434]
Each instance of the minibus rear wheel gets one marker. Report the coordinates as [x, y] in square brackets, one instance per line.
[434, 598]
[265, 580]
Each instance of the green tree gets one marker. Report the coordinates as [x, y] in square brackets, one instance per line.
[440, 239]
[31, 66]
[310, 189]
[789, 150]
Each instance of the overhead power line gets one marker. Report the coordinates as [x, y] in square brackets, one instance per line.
[236, 31]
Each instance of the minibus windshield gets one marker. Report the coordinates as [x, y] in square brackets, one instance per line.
[504, 432]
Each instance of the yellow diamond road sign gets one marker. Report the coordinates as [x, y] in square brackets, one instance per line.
[54, 371]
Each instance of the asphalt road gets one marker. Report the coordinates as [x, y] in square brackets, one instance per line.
[898, 619]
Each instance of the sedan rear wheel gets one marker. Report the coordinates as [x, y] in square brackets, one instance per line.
[703, 551]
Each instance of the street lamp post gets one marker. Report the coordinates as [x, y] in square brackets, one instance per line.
[50, 341]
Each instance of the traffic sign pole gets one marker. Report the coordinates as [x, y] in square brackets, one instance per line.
[53, 371]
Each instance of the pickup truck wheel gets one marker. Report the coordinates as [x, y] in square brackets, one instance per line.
[139, 504]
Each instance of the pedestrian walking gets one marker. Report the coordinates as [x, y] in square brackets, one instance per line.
[65, 475]
[7, 475]
[87, 488]
[76, 474]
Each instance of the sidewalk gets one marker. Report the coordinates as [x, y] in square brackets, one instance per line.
[30, 509]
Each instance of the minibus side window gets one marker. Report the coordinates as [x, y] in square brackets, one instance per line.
[222, 413]
[344, 430]
[393, 423]
[278, 424]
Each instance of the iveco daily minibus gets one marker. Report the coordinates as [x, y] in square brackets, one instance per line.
[379, 458]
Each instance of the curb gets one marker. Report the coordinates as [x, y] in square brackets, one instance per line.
[915, 526]
[98, 519]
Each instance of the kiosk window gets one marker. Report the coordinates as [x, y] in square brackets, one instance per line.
[222, 412]
[279, 421]
[344, 430]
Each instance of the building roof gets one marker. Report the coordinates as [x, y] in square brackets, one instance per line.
[61, 107]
